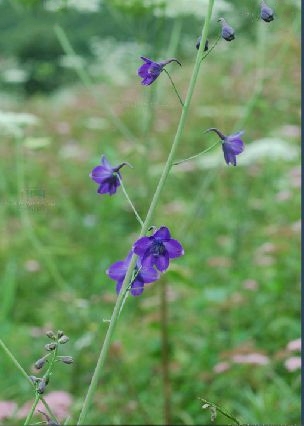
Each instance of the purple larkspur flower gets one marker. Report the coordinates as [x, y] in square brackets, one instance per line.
[266, 12]
[158, 249]
[227, 31]
[141, 275]
[150, 70]
[232, 145]
[106, 176]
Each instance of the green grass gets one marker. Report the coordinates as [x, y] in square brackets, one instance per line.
[231, 221]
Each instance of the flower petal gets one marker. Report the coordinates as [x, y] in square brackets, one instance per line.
[162, 233]
[143, 70]
[174, 248]
[162, 262]
[117, 270]
[137, 287]
[99, 173]
[142, 245]
[105, 163]
[148, 274]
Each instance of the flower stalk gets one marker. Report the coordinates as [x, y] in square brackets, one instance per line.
[147, 221]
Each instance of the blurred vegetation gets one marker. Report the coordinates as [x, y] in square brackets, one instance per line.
[237, 289]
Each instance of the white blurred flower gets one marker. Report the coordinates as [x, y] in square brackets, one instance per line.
[13, 123]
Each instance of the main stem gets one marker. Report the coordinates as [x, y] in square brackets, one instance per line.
[147, 221]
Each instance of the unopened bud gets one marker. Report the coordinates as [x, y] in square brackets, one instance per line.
[50, 334]
[40, 363]
[227, 31]
[63, 339]
[42, 385]
[33, 379]
[198, 42]
[266, 12]
[60, 333]
[66, 359]
[50, 346]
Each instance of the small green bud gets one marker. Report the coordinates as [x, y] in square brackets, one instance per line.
[63, 339]
[66, 359]
[50, 346]
[60, 333]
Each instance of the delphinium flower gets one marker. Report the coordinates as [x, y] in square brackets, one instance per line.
[232, 145]
[266, 12]
[150, 70]
[227, 31]
[106, 176]
[198, 42]
[158, 249]
[141, 275]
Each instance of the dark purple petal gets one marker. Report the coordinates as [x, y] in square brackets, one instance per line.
[162, 233]
[149, 80]
[162, 262]
[137, 287]
[99, 174]
[148, 274]
[106, 164]
[142, 245]
[118, 270]
[143, 70]
[229, 156]
[174, 248]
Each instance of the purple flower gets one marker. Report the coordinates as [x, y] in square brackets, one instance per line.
[150, 70]
[141, 275]
[227, 31]
[158, 249]
[232, 145]
[266, 12]
[106, 176]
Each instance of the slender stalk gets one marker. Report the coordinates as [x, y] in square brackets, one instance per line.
[32, 410]
[129, 201]
[165, 353]
[221, 410]
[211, 48]
[174, 87]
[197, 155]
[147, 222]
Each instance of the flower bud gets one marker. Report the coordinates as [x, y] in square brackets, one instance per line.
[40, 363]
[227, 31]
[50, 346]
[266, 12]
[41, 387]
[50, 334]
[66, 359]
[34, 379]
[63, 339]
[60, 333]
[198, 42]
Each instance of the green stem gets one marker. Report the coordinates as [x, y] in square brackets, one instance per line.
[147, 222]
[129, 201]
[31, 413]
[211, 48]
[174, 87]
[197, 155]
[165, 353]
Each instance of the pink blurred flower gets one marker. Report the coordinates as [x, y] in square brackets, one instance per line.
[59, 402]
[7, 409]
[293, 363]
[253, 358]
[221, 367]
[294, 345]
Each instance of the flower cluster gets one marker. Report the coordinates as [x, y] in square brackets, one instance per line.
[154, 251]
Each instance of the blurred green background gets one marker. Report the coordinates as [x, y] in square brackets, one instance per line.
[234, 297]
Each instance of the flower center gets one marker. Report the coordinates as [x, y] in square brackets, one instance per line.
[158, 248]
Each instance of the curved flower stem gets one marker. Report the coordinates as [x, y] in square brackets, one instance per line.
[174, 87]
[129, 201]
[147, 222]
[211, 48]
[197, 155]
